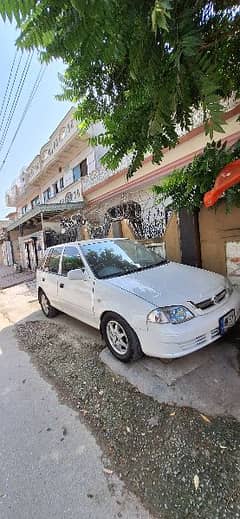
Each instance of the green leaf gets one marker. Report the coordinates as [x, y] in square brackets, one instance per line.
[140, 67]
[187, 186]
[160, 14]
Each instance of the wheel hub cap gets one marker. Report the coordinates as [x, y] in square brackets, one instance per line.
[45, 304]
[117, 337]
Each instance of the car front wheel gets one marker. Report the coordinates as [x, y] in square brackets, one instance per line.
[120, 338]
[46, 307]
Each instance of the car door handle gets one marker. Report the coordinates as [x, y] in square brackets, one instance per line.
[61, 285]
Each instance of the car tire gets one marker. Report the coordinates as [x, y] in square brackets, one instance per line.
[46, 306]
[126, 349]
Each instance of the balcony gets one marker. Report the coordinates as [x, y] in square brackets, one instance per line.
[61, 145]
[64, 142]
[71, 193]
[60, 137]
[102, 173]
[197, 115]
[33, 169]
[46, 212]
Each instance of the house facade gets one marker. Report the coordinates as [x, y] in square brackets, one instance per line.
[66, 194]
[5, 245]
[112, 197]
[47, 190]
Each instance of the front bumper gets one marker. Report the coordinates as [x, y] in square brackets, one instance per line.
[173, 341]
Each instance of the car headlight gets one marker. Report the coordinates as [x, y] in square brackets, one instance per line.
[229, 287]
[170, 314]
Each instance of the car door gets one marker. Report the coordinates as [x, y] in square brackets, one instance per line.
[48, 278]
[75, 297]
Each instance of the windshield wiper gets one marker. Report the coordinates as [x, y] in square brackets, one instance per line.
[118, 274]
[163, 262]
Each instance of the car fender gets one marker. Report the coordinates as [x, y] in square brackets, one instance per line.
[108, 298]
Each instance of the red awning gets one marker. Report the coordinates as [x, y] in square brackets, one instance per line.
[228, 177]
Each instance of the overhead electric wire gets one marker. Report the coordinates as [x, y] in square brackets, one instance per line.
[11, 89]
[27, 106]
[8, 83]
[16, 99]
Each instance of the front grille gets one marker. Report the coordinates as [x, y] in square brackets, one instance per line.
[220, 296]
[207, 303]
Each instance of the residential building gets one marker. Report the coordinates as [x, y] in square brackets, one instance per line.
[6, 257]
[48, 189]
[66, 193]
[110, 197]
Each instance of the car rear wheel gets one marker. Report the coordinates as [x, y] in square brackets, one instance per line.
[120, 338]
[47, 308]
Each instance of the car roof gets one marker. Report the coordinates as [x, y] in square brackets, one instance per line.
[99, 240]
[86, 242]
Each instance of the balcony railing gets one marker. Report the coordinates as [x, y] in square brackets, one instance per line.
[71, 193]
[59, 138]
[64, 132]
[101, 173]
[198, 115]
[34, 169]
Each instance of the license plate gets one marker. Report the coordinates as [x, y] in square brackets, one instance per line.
[227, 321]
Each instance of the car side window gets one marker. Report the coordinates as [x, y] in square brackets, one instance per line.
[52, 262]
[44, 259]
[71, 260]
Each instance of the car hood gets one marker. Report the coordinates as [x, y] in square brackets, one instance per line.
[170, 284]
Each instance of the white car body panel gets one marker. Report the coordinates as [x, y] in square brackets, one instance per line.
[131, 308]
[171, 283]
[52, 286]
[134, 296]
[76, 299]
[179, 340]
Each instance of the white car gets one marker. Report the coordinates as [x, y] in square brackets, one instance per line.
[142, 303]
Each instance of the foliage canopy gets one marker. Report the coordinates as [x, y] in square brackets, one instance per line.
[141, 66]
[186, 186]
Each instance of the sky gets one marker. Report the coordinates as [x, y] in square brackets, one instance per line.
[41, 119]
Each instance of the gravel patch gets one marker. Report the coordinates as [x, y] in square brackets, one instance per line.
[180, 463]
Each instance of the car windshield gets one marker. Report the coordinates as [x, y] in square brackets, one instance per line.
[119, 257]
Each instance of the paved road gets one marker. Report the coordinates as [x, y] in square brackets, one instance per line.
[51, 466]
[9, 277]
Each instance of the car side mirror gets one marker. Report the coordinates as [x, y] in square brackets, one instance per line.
[77, 275]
